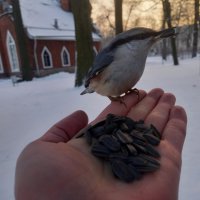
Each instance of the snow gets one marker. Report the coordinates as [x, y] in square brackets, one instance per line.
[39, 19]
[30, 108]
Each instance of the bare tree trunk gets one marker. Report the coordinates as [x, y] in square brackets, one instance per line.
[167, 14]
[84, 44]
[164, 43]
[195, 28]
[118, 16]
[27, 73]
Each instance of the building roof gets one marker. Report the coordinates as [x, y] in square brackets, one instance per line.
[45, 19]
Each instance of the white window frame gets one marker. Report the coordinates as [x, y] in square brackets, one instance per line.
[64, 49]
[12, 53]
[1, 65]
[95, 50]
[50, 57]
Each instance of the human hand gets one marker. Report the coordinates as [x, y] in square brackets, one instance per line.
[59, 166]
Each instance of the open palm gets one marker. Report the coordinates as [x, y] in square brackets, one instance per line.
[60, 166]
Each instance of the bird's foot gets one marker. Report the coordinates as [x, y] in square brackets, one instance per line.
[119, 99]
[134, 90]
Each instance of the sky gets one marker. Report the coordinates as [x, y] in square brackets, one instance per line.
[140, 15]
[147, 13]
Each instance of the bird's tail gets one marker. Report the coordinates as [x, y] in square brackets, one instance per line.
[170, 32]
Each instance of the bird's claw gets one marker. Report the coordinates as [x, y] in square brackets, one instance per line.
[120, 99]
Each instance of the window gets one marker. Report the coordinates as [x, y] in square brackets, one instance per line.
[95, 50]
[1, 65]
[12, 53]
[65, 57]
[46, 58]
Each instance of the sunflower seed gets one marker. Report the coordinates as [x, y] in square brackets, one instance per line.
[137, 175]
[137, 135]
[140, 148]
[155, 131]
[153, 140]
[110, 117]
[124, 150]
[124, 127]
[119, 156]
[127, 145]
[130, 123]
[100, 150]
[132, 150]
[97, 131]
[140, 127]
[137, 161]
[101, 123]
[122, 170]
[108, 129]
[146, 169]
[151, 151]
[110, 142]
[141, 121]
[124, 138]
[149, 159]
[88, 137]
[139, 142]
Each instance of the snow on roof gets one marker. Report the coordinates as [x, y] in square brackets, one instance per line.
[41, 16]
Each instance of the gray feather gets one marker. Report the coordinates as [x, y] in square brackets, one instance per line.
[102, 60]
[106, 55]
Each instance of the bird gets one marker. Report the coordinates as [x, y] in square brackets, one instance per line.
[120, 64]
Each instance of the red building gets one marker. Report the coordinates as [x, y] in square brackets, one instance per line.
[49, 25]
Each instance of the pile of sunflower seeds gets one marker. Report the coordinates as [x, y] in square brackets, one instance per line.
[127, 145]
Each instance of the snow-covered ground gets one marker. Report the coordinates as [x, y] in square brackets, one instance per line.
[30, 108]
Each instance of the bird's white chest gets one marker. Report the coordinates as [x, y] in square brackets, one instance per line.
[123, 73]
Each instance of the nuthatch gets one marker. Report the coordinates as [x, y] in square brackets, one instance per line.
[119, 65]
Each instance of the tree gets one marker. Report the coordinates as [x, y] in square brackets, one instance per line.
[195, 29]
[84, 44]
[27, 74]
[118, 16]
[164, 43]
[168, 19]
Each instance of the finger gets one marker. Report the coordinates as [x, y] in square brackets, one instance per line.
[65, 129]
[118, 108]
[160, 114]
[146, 105]
[175, 130]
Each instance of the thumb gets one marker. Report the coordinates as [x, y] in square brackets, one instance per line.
[65, 129]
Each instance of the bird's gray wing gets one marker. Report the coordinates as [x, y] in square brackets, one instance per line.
[132, 34]
[140, 34]
[102, 60]
[106, 55]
